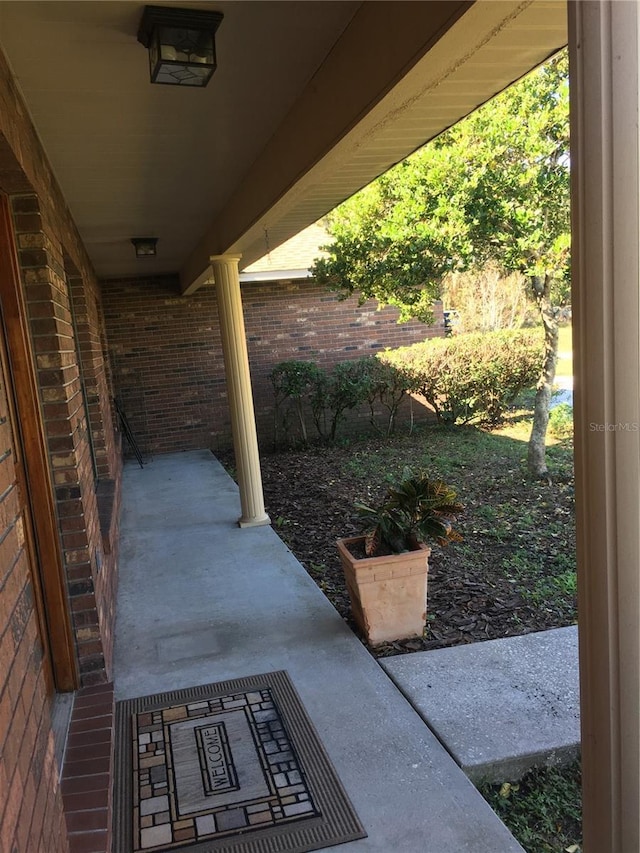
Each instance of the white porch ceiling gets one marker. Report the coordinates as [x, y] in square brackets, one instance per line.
[310, 101]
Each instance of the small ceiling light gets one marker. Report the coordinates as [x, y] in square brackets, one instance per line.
[145, 246]
[181, 44]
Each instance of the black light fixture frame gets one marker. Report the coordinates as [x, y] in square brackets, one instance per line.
[140, 242]
[184, 19]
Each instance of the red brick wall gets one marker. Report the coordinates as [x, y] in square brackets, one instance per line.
[84, 293]
[90, 567]
[50, 248]
[167, 360]
[31, 818]
[89, 332]
[301, 320]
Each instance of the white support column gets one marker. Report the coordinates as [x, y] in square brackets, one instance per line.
[236, 363]
[605, 143]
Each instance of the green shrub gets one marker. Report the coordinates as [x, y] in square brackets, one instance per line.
[346, 386]
[561, 421]
[369, 380]
[325, 395]
[474, 376]
[293, 383]
[388, 386]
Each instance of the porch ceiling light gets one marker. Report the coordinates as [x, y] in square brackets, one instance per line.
[145, 246]
[181, 44]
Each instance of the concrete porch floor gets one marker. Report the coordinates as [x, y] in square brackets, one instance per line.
[202, 601]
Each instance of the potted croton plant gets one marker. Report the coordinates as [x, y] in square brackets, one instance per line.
[386, 567]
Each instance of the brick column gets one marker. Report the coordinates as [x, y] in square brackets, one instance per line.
[66, 430]
[86, 321]
[236, 364]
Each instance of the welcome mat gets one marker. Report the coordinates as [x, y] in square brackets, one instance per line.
[233, 767]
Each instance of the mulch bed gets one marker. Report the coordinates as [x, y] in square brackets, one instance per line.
[310, 497]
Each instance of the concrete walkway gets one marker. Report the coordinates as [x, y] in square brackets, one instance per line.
[202, 601]
[501, 707]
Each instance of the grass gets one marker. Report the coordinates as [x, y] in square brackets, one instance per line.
[539, 582]
[565, 338]
[565, 348]
[451, 451]
[561, 421]
[543, 810]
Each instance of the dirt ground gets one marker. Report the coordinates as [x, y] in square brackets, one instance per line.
[513, 572]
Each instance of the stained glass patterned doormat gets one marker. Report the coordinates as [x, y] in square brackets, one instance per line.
[233, 767]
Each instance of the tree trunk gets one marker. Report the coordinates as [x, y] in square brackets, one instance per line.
[301, 420]
[536, 462]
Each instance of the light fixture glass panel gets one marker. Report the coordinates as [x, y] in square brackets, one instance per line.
[185, 45]
[183, 75]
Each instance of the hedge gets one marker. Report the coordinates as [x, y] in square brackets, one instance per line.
[475, 376]
[467, 377]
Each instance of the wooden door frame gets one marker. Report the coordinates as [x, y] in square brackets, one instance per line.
[45, 523]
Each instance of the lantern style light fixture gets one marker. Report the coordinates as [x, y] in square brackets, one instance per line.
[181, 44]
[145, 246]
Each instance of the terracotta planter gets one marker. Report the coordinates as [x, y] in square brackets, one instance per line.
[388, 594]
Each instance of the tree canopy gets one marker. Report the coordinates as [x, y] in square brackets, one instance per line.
[493, 187]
